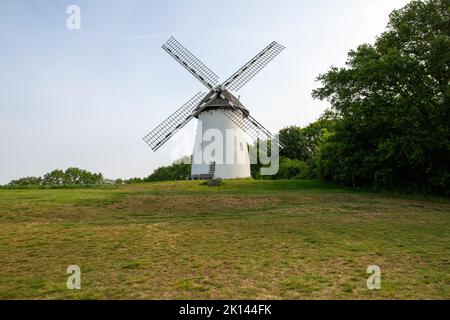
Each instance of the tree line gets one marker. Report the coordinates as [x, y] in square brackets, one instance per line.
[79, 177]
[389, 121]
[390, 106]
[71, 176]
[388, 124]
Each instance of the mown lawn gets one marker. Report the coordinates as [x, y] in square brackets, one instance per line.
[243, 240]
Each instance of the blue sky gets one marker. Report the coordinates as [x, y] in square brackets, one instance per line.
[86, 97]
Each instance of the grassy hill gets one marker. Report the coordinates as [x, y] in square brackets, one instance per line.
[245, 239]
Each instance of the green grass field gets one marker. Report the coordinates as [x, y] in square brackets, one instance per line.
[243, 240]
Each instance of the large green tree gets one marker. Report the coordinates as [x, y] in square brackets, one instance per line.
[301, 143]
[392, 105]
[294, 142]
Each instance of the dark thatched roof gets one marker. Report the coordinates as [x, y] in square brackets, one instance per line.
[218, 102]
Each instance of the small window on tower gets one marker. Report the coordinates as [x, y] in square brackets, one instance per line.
[241, 146]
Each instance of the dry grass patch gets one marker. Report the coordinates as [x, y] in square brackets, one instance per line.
[245, 239]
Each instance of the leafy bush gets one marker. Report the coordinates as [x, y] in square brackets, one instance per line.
[72, 176]
[27, 181]
[177, 171]
[293, 169]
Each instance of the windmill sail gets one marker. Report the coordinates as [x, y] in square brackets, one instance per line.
[247, 123]
[251, 126]
[249, 70]
[172, 124]
[191, 63]
[218, 97]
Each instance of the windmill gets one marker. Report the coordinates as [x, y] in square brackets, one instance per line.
[218, 110]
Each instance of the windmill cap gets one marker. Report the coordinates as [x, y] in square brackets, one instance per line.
[218, 99]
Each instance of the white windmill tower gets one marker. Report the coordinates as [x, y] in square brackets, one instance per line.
[219, 112]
